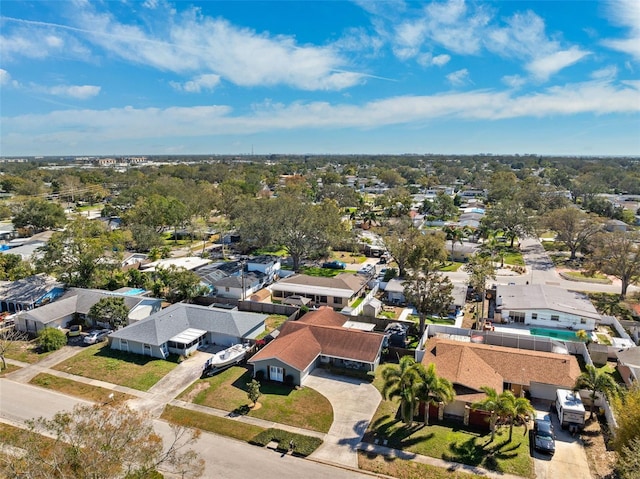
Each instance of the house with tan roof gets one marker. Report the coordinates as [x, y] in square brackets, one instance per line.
[317, 338]
[470, 366]
[338, 292]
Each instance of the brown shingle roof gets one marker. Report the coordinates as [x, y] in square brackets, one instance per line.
[320, 332]
[518, 366]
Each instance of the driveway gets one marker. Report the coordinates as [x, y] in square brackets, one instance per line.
[354, 403]
[570, 459]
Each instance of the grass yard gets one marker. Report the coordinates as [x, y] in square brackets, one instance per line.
[450, 266]
[348, 257]
[514, 259]
[323, 272]
[25, 351]
[9, 369]
[78, 389]
[404, 469]
[126, 369]
[580, 276]
[208, 422]
[273, 322]
[303, 408]
[452, 441]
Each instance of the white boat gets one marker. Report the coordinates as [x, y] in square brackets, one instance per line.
[231, 355]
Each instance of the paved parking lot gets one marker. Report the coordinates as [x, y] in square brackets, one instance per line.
[569, 461]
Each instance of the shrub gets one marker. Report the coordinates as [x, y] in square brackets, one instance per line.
[304, 445]
[51, 339]
[288, 380]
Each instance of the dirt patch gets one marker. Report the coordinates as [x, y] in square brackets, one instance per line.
[197, 389]
[257, 405]
[601, 460]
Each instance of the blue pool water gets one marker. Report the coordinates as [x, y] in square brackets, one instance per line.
[134, 292]
[555, 334]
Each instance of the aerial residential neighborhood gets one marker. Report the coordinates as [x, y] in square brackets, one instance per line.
[319, 239]
[379, 336]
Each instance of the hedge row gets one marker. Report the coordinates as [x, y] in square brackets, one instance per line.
[304, 445]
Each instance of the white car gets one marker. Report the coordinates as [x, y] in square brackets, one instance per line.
[97, 336]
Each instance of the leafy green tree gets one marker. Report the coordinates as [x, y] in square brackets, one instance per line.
[411, 249]
[253, 391]
[444, 207]
[432, 389]
[400, 382]
[13, 268]
[429, 292]
[573, 227]
[102, 442]
[39, 214]
[77, 254]
[596, 380]
[112, 310]
[51, 339]
[627, 438]
[515, 410]
[492, 404]
[511, 218]
[628, 461]
[503, 185]
[618, 254]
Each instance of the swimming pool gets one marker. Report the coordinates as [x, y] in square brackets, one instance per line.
[555, 334]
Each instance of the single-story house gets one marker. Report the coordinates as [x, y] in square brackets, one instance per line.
[29, 293]
[182, 328]
[29, 251]
[268, 265]
[394, 291]
[338, 292]
[462, 252]
[629, 365]
[315, 339]
[188, 262]
[76, 304]
[539, 305]
[470, 366]
[233, 286]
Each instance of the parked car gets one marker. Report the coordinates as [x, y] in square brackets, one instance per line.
[74, 330]
[334, 264]
[97, 336]
[367, 269]
[544, 437]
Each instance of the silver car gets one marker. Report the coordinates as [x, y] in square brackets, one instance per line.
[97, 336]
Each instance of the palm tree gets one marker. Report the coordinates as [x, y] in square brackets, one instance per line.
[596, 381]
[432, 389]
[515, 409]
[491, 404]
[455, 235]
[400, 382]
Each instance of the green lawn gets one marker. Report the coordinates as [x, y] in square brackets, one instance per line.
[323, 272]
[514, 258]
[450, 266]
[117, 367]
[78, 389]
[273, 322]
[25, 351]
[588, 277]
[452, 441]
[303, 408]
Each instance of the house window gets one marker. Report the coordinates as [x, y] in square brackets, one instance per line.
[226, 289]
[276, 373]
[517, 316]
[555, 317]
[583, 321]
[534, 315]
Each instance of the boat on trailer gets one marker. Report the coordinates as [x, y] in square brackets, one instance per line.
[225, 358]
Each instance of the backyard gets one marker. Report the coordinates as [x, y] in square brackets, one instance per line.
[126, 369]
[300, 407]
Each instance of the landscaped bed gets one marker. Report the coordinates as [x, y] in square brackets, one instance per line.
[282, 404]
[405, 469]
[118, 367]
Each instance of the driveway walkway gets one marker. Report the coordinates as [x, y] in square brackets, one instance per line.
[354, 403]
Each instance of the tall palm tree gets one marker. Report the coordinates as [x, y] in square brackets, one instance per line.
[432, 389]
[515, 410]
[596, 380]
[455, 235]
[491, 404]
[400, 382]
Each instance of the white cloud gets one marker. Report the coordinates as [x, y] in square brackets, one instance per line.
[5, 77]
[37, 40]
[543, 67]
[427, 60]
[625, 13]
[79, 92]
[441, 60]
[199, 83]
[513, 81]
[606, 73]
[459, 77]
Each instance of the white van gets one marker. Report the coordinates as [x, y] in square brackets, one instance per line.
[571, 412]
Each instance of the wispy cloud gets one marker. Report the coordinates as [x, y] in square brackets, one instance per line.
[199, 83]
[5, 78]
[63, 128]
[79, 92]
[626, 14]
[459, 77]
[543, 67]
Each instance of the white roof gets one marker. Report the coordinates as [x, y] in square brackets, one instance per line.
[538, 296]
[188, 335]
[188, 262]
[358, 325]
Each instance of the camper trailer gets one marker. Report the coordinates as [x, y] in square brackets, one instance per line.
[570, 409]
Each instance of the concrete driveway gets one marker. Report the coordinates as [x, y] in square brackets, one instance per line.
[570, 459]
[354, 403]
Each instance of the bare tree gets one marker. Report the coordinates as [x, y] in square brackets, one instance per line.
[9, 337]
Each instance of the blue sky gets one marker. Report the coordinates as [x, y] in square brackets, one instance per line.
[219, 77]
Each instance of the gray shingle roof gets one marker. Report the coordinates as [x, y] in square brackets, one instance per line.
[158, 328]
[28, 289]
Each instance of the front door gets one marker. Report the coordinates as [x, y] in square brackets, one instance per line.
[276, 373]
